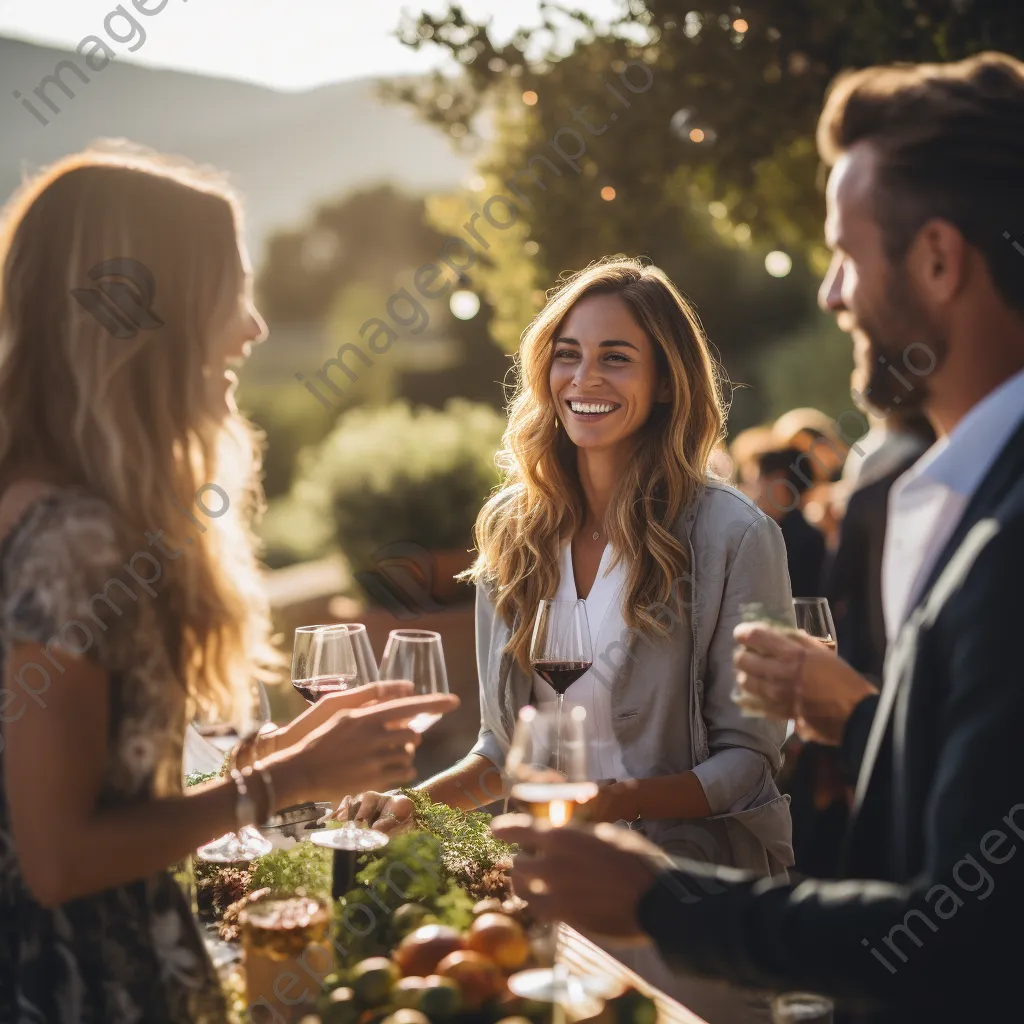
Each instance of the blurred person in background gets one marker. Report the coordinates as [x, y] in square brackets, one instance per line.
[607, 498]
[106, 442]
[745, 446]
[778, 490]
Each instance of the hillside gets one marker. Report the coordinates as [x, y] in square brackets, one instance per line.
[285, 151]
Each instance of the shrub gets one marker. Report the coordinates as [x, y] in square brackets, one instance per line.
[397, 475]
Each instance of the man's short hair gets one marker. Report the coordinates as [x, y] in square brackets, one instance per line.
[950, 138]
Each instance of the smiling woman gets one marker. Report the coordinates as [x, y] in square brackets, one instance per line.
[607, 500]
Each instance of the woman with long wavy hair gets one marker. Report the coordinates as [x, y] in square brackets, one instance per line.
[606, 497]
[129, 590]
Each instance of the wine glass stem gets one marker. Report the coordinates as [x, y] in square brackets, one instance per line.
[558, 731]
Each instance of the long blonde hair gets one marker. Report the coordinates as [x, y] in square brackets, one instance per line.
[541, 502]
[133, 420]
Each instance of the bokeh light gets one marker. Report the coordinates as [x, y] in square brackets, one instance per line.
[778, 263]
[739, 25]
[696, 135]
[530, 98]
[531, 248]
[741, 233]
[464, 304]
[608, 193]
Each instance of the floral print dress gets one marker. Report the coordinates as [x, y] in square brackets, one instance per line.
[130, 954]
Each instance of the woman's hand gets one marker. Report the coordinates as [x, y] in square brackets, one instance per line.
[364, 747]
[798, 677]
[328, 706]
[615, 801]
[386, 812]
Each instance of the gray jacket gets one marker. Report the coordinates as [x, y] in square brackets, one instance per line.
[671, 705]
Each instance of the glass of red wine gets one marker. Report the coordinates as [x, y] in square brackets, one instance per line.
[323, 661]
[560, 651]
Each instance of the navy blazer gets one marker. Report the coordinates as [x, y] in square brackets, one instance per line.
[929, 926]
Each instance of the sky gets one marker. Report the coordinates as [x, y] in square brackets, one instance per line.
[284, 44]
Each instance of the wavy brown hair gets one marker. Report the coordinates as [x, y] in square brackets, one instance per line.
[133, 420]
[541, 501]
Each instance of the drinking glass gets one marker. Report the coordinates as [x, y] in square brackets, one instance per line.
[801, 1008]
[814, 617]
[366, 660]
[323, 661]
[560, 650]
[547, 766]
[755, 611]
[245, 715]
[416, 655]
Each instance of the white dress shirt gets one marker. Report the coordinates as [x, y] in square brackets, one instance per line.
[928, 501]
[604, 618]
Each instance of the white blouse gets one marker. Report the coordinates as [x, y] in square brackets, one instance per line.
[604, 619]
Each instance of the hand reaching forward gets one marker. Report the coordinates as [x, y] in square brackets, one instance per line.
[366, 747]
[590, 878]
[797, 677]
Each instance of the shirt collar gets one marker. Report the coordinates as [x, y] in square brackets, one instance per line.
[961, 460]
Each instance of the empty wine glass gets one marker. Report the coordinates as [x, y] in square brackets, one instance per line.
[547, 766]
[245, 715]
[801, 1008]
[814, 617]
[416, 655]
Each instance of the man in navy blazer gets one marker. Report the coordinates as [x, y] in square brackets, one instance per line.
[925, 210]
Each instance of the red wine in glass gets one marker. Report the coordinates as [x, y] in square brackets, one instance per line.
[560, 650]
[313, 689]
[560, 675]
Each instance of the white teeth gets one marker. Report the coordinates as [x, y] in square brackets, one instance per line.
[591, 407]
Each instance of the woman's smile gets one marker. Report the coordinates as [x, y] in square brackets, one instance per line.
[592, 409]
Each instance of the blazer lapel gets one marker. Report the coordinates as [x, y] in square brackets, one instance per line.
[1007, 469]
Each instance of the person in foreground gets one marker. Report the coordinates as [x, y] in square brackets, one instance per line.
[118, 617]
[926, 923]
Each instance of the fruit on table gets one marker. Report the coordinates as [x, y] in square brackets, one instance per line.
[373, 979]
[338, 1007]
[439, 997]
[422, 950]
[501, 939]
[491, 905]
[478, 978]
[407, 992]
[408, 917]
[407, 1017]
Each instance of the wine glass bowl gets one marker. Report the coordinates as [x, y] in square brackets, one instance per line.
[416, 655]
[814, 617]
[323, 661]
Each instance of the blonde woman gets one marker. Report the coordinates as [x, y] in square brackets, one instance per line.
[607, 498]
[129, 592]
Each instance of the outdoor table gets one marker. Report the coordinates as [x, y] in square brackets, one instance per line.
[585, 959]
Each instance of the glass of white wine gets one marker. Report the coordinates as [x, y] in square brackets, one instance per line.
[547, 767]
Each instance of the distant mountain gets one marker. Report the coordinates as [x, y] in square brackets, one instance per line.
[284, 151]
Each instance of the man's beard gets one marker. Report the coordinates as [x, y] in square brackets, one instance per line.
[904, 348]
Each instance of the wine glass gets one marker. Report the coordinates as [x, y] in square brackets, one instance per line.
[323, 661]
[754, 611]
[560, 650]
[814, 617]
[547, 766]
[366, 660]
[245, 715]
[416, 655]
[801, 1008]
